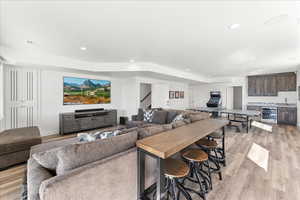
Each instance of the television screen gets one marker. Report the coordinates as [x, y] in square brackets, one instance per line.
[86, 91]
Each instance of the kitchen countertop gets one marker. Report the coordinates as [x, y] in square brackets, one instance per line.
[289, 105]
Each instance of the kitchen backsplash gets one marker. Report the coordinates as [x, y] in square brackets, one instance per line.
[291, 98]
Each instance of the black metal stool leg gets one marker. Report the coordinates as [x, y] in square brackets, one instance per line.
[182, 189]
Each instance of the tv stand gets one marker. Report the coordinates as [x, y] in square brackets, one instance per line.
[82, 120]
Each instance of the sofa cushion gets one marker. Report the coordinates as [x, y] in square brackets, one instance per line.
[159, 117]
[132, 124]
[151, 130]
[19, 139]
[76, 155]
[127, 130]
[171, 115]
[199, 116]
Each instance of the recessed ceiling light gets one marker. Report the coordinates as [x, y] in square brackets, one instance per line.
[83, 48]
[131, 60]
[29, 41]
[234, 26]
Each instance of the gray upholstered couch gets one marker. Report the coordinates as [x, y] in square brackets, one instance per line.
[102, 169]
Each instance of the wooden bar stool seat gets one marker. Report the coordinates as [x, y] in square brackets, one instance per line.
[196, 155]
[209, 144]
[174, 171]
[216, 135]
[176, 168]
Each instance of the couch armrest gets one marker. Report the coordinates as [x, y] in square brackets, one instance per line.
[36, 174]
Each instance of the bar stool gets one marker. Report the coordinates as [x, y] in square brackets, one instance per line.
[221, 150]
[174, 171]
[196, 159]
[210, 146]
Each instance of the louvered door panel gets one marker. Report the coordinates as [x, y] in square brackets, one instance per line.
[21, 101]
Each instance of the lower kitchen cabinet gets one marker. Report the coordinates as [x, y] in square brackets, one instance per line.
[287, 115]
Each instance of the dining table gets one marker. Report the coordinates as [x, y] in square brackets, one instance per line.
[166, 144]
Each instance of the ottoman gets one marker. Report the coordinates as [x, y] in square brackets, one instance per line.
[15, 145]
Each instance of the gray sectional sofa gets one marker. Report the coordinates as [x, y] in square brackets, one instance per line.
[102, 169]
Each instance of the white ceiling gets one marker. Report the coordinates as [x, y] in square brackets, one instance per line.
[157, 35]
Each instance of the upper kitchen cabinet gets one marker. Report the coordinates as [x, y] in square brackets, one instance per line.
[264, 85]
[286, 81]
[271, 84]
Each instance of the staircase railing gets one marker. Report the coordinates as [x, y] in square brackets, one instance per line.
[145, 97]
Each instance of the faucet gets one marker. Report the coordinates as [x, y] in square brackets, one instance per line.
[285, 100]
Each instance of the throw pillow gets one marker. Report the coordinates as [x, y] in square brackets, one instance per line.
[171, 116]
[107, 134]
[178, 118]
[85, 137]
[148, 114]
[159, 117]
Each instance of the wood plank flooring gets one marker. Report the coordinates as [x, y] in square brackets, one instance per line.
[242, 178]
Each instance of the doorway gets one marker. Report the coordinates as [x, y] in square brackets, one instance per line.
[145, 96]
[237, 97]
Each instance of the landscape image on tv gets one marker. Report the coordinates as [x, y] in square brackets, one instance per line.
[86, 91]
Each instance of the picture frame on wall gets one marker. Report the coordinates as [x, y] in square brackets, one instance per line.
[181, 94]
[171, 94]
[177, 95]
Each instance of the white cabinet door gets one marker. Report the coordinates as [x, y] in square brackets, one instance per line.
[21, 105]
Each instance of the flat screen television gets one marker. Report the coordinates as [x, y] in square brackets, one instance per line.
[86, 91]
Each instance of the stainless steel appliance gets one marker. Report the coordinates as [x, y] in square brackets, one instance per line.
[269, 114]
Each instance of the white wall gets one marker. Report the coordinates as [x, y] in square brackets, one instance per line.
[160, 93]
[1, 96]
[1, 91]
[125, 96]
[199, 94]
[51, 94]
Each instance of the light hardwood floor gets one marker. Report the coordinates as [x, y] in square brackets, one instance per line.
[242, 178]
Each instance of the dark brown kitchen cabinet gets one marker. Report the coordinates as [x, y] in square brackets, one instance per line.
[286, 81]
[287, 115]
[264, 85]
[271, 84]
[252, 86]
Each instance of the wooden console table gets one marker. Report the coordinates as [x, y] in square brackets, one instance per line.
[166, 144]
